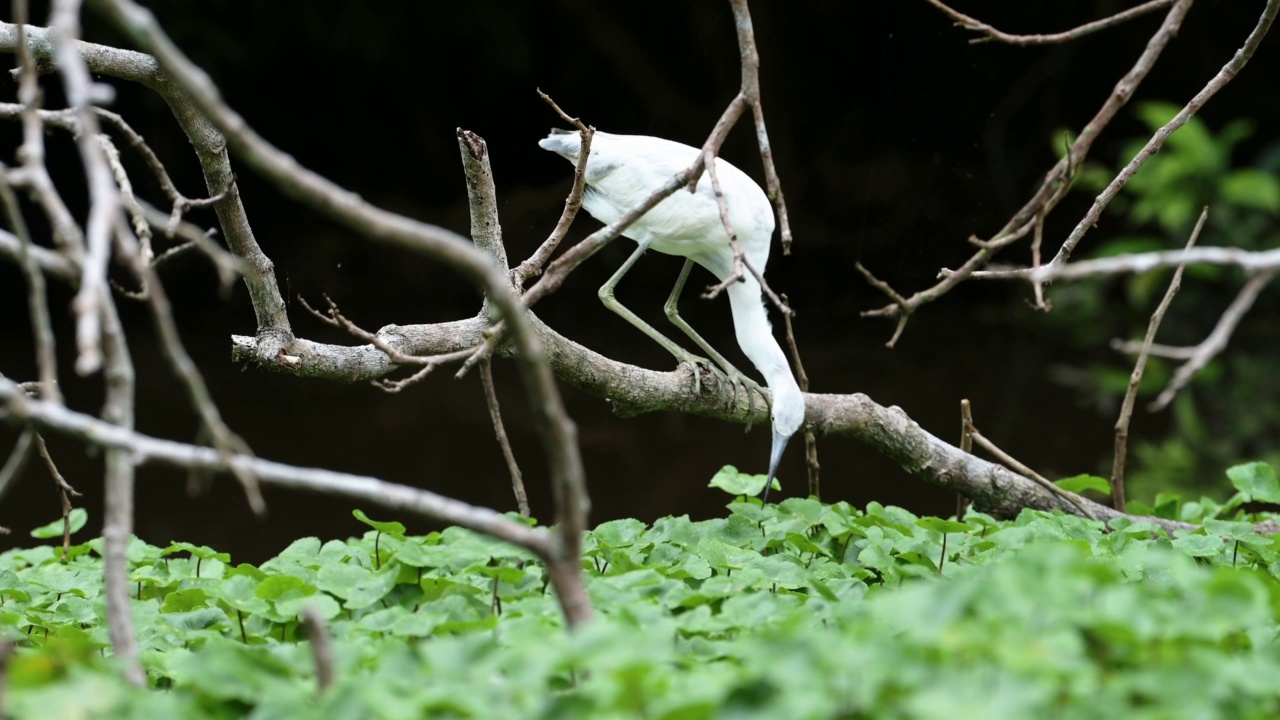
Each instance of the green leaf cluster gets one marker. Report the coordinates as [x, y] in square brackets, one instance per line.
[800, 610]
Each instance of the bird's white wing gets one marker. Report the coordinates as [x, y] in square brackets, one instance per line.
[623, 170]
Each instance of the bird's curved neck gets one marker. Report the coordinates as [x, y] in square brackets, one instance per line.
[755, 337]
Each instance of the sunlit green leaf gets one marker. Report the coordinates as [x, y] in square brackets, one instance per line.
[1080, 483]
[1257, 481]
[730, 480]
[389, 527]
[941, 525]
[78, 517]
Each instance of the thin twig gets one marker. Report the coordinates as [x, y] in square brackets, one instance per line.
[749, 58]
[229, 266]
[1135, 378]
[977, 437]
[740, 261]
[67, 235]
[6, 653]
[65, 493]
[1036, 239]
[149, 450]
[18, 457]
[1216, 341]
[1250, 261]
[1168, 352]
[902, 304]
[495, 415]
[428, 363]
[117, 523]
[32, 154]
[64, 31]
[129, 203]
[1057, 180]
[810, 438]
[558, 433]
[180, 203]
[991, 34]
[966, 445]
[175, 353]
[321, 646]
[1219, 81]
[532, 267]
[37, 296]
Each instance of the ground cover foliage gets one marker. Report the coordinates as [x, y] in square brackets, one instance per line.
[798, 610]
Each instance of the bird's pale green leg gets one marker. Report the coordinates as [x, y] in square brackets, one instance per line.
[682, 355]
[733, 376]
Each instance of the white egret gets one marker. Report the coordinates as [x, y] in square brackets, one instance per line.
[621, 172]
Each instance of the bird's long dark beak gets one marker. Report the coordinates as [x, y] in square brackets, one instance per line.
[775, 457]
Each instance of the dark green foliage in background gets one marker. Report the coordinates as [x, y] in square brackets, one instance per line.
[1231, 408]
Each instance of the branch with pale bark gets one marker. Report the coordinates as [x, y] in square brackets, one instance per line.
[558, 430]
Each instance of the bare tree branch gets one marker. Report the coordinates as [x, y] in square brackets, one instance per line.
[749, 58]
[971, 435]
[64, 31]
[482, 197]
[37, 297]
[631, 390]
[321, 646]
[6, 654]
[210, 147]
[993, 489]
[495, 415]
[65, 493]
[991, 34]
[966, 445]
[1135, 377]
[333, 316]
[48, 261]
[1200, 355]
[572, 204]
[559, 434]
[1251, 261]
[1219, 81]
[17, 461]
[148, 450]
[117, 522]
[812, 466]
[1056, 182]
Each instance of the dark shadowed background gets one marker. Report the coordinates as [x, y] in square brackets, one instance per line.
[895, 140]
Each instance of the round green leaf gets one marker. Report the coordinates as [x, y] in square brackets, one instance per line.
[79, 516]
[389, 527]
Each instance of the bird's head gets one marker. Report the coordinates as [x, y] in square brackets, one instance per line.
[786, 416]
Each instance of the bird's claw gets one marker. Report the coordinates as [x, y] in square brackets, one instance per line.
[731, 382]
[696, 366]
[737, 381]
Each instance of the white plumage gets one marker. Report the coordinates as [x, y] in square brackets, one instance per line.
[621, 172]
